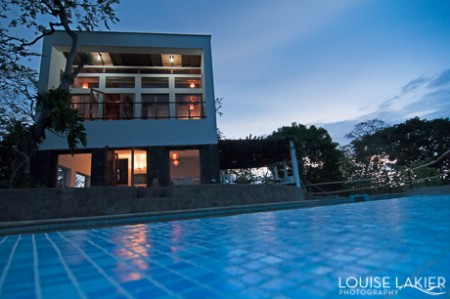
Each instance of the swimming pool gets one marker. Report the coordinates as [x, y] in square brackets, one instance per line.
[302, 253]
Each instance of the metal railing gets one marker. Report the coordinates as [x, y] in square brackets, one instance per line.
[148, 110]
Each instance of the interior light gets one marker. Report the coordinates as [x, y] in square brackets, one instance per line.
[174, 156]
[85, 85]
[171, 58]
[99, 56]
[192, 85]
[175, 163]
[191, 107]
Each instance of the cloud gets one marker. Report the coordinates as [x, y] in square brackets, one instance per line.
[415, 83]
[415, 99]
[441, 80]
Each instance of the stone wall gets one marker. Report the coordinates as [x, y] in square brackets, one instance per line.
[38, 204]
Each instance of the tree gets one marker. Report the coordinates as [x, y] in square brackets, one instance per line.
[367, 150]
[317, 153]
[397, 155]
[218, 104]
[420, 144]
[53, 106]
[365, 128]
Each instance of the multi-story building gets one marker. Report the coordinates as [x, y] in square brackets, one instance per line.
[149, 110]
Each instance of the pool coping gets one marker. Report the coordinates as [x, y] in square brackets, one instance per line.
[49, 225]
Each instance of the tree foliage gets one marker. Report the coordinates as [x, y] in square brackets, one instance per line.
[317, 153]
[24, 17]
[399, 154]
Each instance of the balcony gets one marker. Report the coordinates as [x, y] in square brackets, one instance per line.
[128, 109]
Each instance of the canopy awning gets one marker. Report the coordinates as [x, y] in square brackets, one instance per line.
[239, 154]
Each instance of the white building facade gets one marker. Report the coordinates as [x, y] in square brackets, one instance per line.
[149, 109]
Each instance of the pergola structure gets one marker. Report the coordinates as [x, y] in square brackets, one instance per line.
[256, 153]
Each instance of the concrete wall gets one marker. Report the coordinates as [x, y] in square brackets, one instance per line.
[36, 204]
[136, 132]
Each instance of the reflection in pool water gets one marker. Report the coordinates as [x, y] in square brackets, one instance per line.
[291, 254]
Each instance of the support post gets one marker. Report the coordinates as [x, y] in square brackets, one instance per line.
[294, 163]
[285, 173]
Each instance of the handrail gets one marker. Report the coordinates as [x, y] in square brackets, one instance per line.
[92, 110]
[441, 157]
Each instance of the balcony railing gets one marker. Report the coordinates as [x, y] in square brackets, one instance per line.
[148, 110]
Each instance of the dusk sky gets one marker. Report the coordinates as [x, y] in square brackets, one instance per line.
[328, 63]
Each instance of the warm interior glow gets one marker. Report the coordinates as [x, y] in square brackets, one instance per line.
[174, 156]
[191, 107]
[192, 85]
[171, 60]
[85, 85]
[140, 163]
[175, 163]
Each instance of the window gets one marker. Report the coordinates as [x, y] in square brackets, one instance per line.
[155, 82]
[188, 83]
[118, 106]
[74, 170]
[81, 180]
[155, 106]
[189, 106]
[62, 177]
[86, 106]
[119, 82]
[185, 167]
[130, 167]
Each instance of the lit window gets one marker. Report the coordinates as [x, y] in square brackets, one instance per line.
[188, 83]
[189, 106]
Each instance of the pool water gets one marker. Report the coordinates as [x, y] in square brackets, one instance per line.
[303, 253]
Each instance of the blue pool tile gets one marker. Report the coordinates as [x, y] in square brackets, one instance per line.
[201, 293]
[282, 254]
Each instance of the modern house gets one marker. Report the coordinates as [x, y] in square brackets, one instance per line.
[149, 109]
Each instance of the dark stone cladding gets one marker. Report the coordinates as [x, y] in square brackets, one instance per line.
[158, 166]
[59, 203]
[43, 168]
[209, 164]
[98, 167]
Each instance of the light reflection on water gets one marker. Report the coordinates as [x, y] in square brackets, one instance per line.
[134, 246]
[249, 255]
